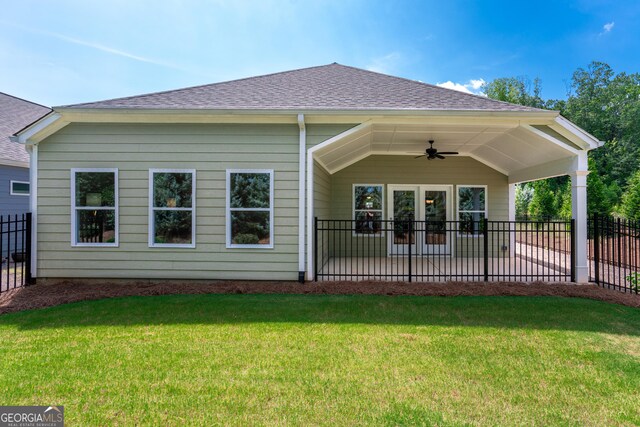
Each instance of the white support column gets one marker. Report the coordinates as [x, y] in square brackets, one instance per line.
[512, 217]
[579, 214]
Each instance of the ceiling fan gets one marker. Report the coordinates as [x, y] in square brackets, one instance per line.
[432, 153]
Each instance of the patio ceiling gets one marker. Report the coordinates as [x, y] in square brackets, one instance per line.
[519, 150]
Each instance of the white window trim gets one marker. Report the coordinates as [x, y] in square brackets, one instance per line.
[228, 209]
[353, 209]
[12, 193]
[486, 206]
[74, 208]
[192, 209]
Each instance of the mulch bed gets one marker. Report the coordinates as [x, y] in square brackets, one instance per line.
[40, 296]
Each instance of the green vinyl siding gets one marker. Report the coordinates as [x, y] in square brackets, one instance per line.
[317, 134]
[399, 170]
[211, 149]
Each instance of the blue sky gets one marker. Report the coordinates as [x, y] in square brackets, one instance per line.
[64, 52]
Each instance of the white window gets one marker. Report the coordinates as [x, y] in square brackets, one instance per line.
[250, 208]
[19, 188]
[472, 208]
[172, 208]
[367, 209]
[94, 207]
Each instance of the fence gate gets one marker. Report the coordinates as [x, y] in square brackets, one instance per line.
[15, 251]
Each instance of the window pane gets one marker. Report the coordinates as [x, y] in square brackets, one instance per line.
[471, 223]
[95, 189]
[368, 222]
[471, 198]
[250, 228]
[96, 226]
[368, 197]
[172, 227]
[20, 188]
[435, 206]
[172, 189]
[250, 190]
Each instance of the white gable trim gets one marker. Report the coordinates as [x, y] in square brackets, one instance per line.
[42, 128]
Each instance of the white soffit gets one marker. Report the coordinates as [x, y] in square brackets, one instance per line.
[507, 148]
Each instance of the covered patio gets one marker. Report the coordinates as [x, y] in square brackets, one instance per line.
[495, 150]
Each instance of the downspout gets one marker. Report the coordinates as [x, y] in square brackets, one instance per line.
[301, 198]
[310, 210]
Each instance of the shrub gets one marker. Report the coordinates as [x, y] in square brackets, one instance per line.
[246, 239]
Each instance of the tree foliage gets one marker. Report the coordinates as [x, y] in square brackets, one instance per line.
[630, 206]
[605, 104]
[516, 90]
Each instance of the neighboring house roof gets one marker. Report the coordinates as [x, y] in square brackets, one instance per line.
[327, 87]
[15, 114]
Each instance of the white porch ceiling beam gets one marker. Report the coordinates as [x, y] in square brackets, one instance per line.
[549, 138]
[488, 163]
[550, 169]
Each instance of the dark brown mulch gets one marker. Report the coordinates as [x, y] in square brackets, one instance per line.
[40, 296]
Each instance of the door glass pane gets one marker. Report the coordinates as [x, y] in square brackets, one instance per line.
[435, 216]
[404, 209]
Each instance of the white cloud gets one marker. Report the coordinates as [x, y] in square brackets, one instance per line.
[455, 86]
[606, 28]
[476, 84]
[101, 48]
[473, 86]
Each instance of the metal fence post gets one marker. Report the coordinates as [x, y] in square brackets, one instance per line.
[573, 250]
[596, 247]
[486, 249]
[315, 249]
[27, 250]
[410, 232]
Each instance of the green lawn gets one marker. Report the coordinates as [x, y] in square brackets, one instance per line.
[326, 360]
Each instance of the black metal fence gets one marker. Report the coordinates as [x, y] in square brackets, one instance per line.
[614, 253]
[15, 251]
[476, 250]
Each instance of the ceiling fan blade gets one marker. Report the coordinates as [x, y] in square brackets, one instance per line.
[439, 156]
[448, 153]
[417, 157]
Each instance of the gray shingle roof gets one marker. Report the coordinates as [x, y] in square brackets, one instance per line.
[15, 114]
[327, 87]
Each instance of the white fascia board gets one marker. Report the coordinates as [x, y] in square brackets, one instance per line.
[41, 129]
[312, 116]
[591, 141]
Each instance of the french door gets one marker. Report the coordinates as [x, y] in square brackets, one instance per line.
[431, 205]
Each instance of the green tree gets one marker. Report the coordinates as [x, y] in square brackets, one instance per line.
[524, 194]
[630, 206]
[516, 90]
[608, 106]
[601, 198]
[543, 203]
